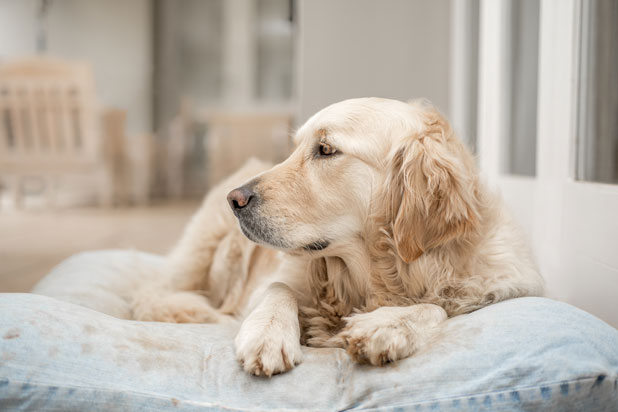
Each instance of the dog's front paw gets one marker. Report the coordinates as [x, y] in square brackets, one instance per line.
[390, 333]
[373, 338]
[268, 348]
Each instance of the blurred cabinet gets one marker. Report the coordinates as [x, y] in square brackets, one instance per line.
[208, 144]
[234, 137]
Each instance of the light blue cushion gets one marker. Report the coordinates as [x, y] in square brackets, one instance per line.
[524, 354]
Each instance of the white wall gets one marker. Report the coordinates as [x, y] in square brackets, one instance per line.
[356, 48]
[114, 35]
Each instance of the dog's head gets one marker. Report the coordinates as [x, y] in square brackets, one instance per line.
[361, 161]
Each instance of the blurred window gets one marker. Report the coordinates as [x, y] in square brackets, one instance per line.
[597, 131]
[216, 52]
[464, 81]
[524, 58]
[274, 49]
[188, 43]
[199, 36]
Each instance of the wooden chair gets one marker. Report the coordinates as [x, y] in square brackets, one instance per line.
[50, 127]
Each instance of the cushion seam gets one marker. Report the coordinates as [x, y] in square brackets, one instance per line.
[611, 376]
[144, 394]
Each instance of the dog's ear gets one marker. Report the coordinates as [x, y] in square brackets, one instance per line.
[433, 196]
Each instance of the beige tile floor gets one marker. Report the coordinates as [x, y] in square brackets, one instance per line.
[33, 242]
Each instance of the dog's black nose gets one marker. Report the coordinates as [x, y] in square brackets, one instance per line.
[240, 198]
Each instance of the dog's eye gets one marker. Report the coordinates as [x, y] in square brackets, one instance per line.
[326, 149]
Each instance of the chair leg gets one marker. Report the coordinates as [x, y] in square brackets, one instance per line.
[51, 191]
[105, 191]
[16, 189]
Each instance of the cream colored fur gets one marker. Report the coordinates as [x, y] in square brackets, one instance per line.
[412, 236]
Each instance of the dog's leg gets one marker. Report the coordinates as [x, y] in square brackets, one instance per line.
[269, 339]
[179, 295]
[390, 333]
[161, 304]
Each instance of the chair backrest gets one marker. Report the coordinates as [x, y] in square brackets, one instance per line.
[47, 115]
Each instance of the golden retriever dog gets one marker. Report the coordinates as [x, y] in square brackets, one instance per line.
[372, 233]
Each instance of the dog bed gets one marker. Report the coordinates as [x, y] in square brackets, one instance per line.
[70, 346]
